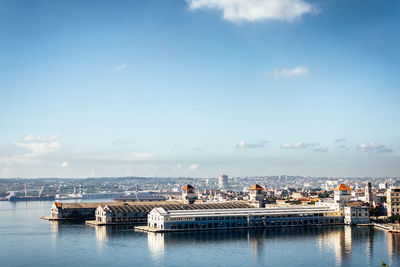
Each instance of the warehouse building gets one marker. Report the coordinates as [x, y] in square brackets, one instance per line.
[137, 213]
[161, 219]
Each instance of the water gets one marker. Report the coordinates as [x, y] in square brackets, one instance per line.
[26, 240]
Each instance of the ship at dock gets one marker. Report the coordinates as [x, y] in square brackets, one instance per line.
[13, 198]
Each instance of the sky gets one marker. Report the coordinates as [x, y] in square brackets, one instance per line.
[195, 88]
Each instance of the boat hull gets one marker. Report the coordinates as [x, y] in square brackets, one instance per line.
[32, 198]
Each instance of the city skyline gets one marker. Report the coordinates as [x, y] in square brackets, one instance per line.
[198, 88]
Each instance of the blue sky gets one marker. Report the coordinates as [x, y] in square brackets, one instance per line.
[199, 87]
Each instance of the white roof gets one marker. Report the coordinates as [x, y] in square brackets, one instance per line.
[160, 211]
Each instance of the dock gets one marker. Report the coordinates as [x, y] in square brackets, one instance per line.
[148, 229]
[97, 223]
[53, 219]
[391, 228]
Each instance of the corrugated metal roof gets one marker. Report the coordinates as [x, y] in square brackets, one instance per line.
[147, 207]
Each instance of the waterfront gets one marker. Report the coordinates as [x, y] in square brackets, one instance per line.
[27, 240]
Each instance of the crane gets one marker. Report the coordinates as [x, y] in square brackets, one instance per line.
[40, 192]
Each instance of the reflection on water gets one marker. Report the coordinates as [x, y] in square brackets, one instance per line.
[155, 242]
[337, 240]
[43, 243]
[393, 241]
[340, 244]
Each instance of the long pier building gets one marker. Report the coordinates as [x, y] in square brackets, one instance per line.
[137, 213]
[162, 220]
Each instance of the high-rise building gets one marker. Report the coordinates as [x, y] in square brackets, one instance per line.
[223, 181]
[393, 201]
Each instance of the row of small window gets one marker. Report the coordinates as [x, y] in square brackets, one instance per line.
[244, 224]
[360, 214]
[227, 218]
[180, 219]
[220, 218]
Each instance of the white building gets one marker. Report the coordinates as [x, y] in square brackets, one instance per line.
[356, 215]
[186, 220]
[342, 193]
[382, 186]
[223, 181]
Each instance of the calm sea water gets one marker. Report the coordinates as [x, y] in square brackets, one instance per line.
[26, 240]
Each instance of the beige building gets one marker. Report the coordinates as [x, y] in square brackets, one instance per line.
[188, 194]
[393, 201]
[256, 196]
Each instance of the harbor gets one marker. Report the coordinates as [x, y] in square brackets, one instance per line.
[322, 245]
[187, 214]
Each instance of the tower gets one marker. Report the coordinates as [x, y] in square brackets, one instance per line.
[342, 193]
[188, 194]
[368, 193]
[256, 195]
[223, 181]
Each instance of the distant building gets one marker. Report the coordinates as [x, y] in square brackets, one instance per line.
[382, 186]
[368, 194]
[330, 184]
[188, 194]
[223, 181]
[393, 201]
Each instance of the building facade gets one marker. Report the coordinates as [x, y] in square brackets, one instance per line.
[188, 194]
[257, 195]
[137, 213]
[342, 193]
[393, 201]
[184, 220]
[368, 194]
[356, 215]
[74, 211]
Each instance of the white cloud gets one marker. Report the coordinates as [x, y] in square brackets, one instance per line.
[374, 148]
[120, 67]
[115, 157]
[340, 140]
[299, 145]
[65, 164]
[31, 137]
[254, 10]
[179, 166]
[35, 150]
[194, 166]
[39, 148]
[290, 73]
[243, 144]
